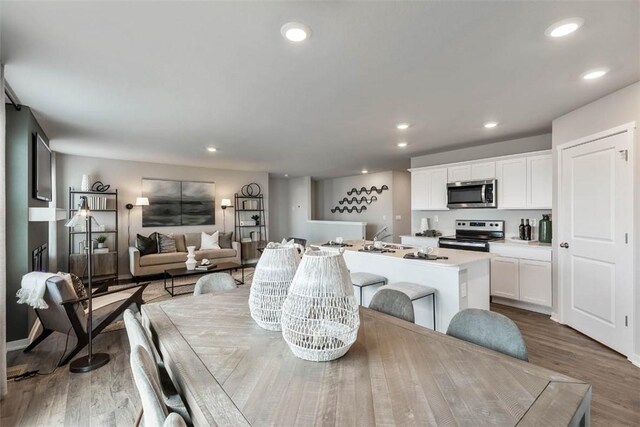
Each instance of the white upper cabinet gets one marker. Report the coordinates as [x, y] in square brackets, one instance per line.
[485, 170]
[539, 181]
[420, 189]
[429, 190]
[459, 173]
[512, 183]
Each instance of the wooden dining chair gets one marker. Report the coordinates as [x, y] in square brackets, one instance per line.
[145, 376]
[214, 282]
[490, 330]
[394, 303]
[138, 337]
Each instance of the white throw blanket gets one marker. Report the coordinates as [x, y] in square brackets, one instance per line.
[34, 285]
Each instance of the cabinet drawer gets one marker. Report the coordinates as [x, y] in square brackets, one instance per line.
[521, 251]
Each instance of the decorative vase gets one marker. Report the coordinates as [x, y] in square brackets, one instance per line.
[191, 258]
[320, 318]
[544, 229]
[86, 183]
[271, 280]
[101, 245]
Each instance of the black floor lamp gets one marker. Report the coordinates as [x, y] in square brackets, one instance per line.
[90, 361]
[140, 201]
[224, 204]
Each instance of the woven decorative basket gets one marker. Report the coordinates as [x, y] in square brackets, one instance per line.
[320, 318]
[271, 281]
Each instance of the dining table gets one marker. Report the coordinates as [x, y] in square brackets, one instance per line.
[231, 372]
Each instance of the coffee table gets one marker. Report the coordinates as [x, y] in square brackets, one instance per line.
[183, 272]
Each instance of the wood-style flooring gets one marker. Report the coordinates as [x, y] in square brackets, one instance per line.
[107, 396]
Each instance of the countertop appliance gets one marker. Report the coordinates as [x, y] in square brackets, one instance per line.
[473, 235]
[472, 194]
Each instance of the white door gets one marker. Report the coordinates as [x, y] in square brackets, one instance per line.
[504, 278]
[535, 282]
[539, 181]
[419, 190]
[595, 231]
[512, 183]
[481, 171]
[459, 173]
[438, 193]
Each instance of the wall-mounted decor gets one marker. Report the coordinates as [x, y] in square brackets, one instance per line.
[175, 203]
[99, 187]
[349, 209]
[41, 169]
[369, 191]
[360, 201]
[251, 190]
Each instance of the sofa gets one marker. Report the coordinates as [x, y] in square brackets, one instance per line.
[158, 263]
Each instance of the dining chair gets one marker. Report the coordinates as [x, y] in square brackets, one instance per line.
[490, 330]
[145, 376]
[394, 303]
[214, 282]
[138, 337]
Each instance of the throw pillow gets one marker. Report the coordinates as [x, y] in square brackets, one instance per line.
[78, 286]
[209, 241]
[166, 243]
[147, 245]
[225, 240]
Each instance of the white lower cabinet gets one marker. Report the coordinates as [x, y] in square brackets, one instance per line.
[521, 279]
[504, 277]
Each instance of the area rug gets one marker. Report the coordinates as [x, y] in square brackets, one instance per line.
[155, 291]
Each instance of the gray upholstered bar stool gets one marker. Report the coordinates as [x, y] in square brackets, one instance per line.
[362, 280]
[415, 291]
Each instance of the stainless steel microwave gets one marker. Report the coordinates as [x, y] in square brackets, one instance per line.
[472, 194]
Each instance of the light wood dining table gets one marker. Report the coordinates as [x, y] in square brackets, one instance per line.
[232, 372]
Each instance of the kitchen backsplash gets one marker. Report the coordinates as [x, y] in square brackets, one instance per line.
[446, 219]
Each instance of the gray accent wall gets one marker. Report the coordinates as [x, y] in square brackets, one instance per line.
[496, 149]
[22, 236]
[126, 176]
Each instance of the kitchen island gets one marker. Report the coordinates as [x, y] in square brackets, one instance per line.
[462, 281]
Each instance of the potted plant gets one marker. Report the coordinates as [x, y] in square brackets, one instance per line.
[256, 218]
[101, 241]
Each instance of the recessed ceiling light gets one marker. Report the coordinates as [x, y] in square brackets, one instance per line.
[564, 27]
[402, 126]
[212, 149]
[364, 171]
[402, 144]
[295, 32]
[490, 125]
[595, 74]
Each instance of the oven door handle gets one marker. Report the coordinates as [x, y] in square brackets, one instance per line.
[469, 244]
[484, 193]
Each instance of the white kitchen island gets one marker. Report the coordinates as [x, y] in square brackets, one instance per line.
[462, 281]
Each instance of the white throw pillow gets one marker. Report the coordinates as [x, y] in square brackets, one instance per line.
[287, 243]
[210, 241]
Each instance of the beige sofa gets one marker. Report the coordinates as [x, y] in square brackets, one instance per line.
[158, 263]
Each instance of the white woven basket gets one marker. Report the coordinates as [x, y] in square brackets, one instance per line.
[320, 318]
[271, 281]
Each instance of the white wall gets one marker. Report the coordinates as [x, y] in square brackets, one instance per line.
[618, 108]
[126, 176]
[401, 204]
[496, 149]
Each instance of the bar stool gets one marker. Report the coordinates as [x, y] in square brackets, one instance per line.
[415, 291]
[362, 280]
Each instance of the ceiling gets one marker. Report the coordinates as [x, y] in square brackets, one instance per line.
[161, 81]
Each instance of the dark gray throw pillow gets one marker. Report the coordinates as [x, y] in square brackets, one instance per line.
[224, 240]
[166, 244]
[147, 245]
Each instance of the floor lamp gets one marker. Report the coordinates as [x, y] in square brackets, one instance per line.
[90, 361]
[140, 201]
[224, 204]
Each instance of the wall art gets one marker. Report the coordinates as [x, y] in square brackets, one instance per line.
[360, 201]
[177, 203]
[367, 191]
[349, 209]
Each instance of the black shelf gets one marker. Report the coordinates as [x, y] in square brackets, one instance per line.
[245, 226]
[249, 210]
[96, 232]
[97, 210]
[106, 193]
[248, 197]
[249, 250]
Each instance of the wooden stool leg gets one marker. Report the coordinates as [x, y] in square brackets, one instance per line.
[433, 298]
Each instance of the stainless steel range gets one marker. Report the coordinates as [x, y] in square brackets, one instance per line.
[473, 235]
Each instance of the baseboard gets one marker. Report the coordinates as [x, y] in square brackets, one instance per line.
[635, 360]
[523, 305]
[555, 317]
[18, 344]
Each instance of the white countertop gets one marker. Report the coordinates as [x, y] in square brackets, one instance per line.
[456, 257]
[530, 244]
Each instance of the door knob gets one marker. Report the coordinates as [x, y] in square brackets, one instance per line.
[564, 245]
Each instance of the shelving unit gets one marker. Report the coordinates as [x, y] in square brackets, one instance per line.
[105, 265]
[245, 208]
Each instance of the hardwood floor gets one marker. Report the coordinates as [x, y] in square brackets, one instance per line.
[107, 396]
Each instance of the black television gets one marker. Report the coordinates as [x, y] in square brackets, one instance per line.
[41, 169]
